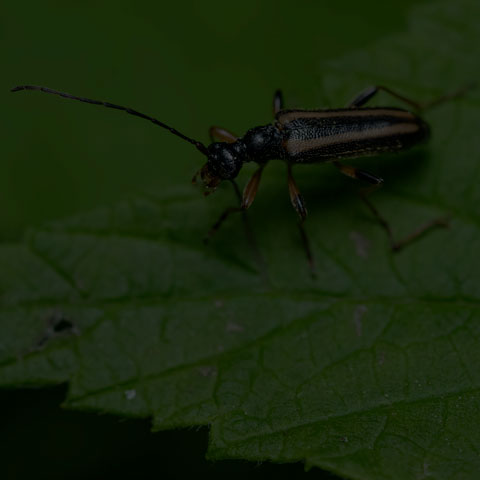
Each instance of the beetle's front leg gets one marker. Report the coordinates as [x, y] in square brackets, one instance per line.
[248, 196]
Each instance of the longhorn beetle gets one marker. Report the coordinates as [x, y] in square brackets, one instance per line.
[304, 136]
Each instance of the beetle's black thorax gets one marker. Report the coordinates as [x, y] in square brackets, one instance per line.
[259, 144]
[262, 144]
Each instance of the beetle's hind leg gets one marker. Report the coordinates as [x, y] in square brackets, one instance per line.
[375, 183]
[363, 97]
[299, 205]
[397, 245]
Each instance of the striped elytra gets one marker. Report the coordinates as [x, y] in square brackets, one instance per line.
[323, 135]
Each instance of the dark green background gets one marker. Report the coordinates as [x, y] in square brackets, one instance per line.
[191, 64]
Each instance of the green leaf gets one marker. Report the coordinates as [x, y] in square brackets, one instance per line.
[370, 370]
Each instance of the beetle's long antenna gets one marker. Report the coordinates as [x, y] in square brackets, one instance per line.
[197, 144]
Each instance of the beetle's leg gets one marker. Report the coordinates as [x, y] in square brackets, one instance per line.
[363, 97]
[377, 182]
[358, 174]
[248, 197]
[299, 205]
[398, 245]
[249, 233]
[295, 196]
[216, 226]
[277, 102]
[220, 134]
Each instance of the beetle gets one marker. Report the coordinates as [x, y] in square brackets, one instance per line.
[302, 137]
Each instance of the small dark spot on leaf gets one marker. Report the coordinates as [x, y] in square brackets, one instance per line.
[63, 325]
[59, 325]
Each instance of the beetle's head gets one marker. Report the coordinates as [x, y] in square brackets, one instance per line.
[224, 161]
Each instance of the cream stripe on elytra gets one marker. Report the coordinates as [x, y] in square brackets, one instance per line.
[300, 146]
